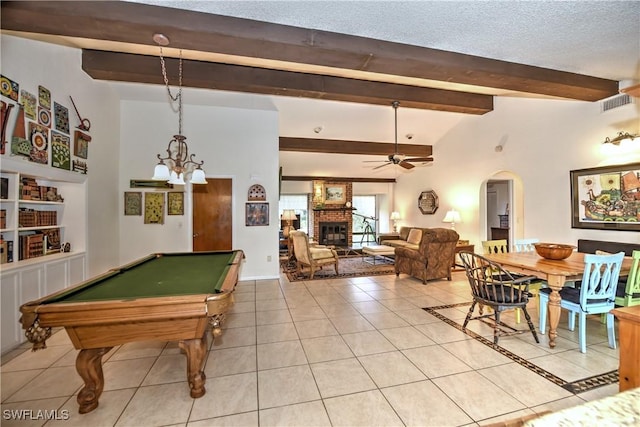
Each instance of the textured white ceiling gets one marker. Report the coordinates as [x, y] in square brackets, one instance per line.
[598, 38]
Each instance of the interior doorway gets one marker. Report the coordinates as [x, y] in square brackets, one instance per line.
[501, 204]
[213, 215]
[498, 201]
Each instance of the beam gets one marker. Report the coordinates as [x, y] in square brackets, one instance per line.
[287, 47]
[336, 179]
[128, 67]
[338, 146]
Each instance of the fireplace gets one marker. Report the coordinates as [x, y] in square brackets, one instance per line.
[334, 233]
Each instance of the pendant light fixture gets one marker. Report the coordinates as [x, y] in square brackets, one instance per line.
[179, 161]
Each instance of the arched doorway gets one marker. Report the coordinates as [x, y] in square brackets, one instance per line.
[502, 207]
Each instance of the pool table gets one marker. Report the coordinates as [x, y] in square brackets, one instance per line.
[164, 296]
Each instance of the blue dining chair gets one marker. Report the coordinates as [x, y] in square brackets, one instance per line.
[596, 295]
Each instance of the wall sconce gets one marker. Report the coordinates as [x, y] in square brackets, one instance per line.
[622, 136]
[452, 216]
[318, 192]
[288, 215]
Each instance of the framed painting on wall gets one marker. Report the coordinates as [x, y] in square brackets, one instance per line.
[606, 198]
[335, 194]
[257, 214]
[175, 203]
[153, 208]
[132, 203]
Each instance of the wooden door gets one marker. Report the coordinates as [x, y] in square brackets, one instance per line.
[212, 215]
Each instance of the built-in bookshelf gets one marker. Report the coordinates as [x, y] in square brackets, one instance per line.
[42, 210]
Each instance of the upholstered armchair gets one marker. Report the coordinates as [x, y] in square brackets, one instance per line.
[313, 256]
[433, 258]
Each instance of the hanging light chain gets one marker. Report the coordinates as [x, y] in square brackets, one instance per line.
[178, 96]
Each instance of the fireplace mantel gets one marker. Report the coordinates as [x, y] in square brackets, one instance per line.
[334, 209]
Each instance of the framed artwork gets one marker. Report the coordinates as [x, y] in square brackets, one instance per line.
[175, 203]
[257, 214]
[132, 203]
[81, 144]
[428, 202]
[153, 208]
[39, 137]
[29, 102]
[335, 194]
[60, 150]
[44, 97]
[9, 88]
[61, 116]
[606, 198]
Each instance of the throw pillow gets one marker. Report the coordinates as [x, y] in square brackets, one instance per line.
[415, 235]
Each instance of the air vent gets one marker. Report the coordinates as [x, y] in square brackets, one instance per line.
[616, 102]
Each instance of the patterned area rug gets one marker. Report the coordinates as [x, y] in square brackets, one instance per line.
[575, 387]
[351, 266]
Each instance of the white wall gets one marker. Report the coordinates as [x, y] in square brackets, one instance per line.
[542, 141]
[241, 144]
[59, 69]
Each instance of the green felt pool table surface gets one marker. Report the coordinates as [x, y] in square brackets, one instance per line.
[157, 275]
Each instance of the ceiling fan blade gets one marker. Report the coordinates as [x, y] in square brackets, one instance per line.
[375, 161]
[406, 165]
[419, 159]
[381, 166]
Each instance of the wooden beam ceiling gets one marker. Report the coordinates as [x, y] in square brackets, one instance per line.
[336, 179]
[282, 47]
[311, 145]
[127, 67]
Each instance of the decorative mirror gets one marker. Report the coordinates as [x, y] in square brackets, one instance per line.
[428, 202]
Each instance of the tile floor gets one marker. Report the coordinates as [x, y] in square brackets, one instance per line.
[342, 352]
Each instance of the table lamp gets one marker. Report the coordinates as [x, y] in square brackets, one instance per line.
[395, 216]
[452, 216]
[288, 215]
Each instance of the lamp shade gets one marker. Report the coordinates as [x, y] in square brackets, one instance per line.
[197, 177]
[176, 179]
[395, 215]
[452, 216]
[288, 214]
[161, 173]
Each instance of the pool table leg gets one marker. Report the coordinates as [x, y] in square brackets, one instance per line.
[196, 350]
[89, 366]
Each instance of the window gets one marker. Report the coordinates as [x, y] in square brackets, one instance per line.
[297, 202]
[364, 219]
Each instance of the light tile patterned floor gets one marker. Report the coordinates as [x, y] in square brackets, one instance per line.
[343, 352]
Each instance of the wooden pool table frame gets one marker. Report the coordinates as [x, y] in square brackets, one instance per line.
[96, 327]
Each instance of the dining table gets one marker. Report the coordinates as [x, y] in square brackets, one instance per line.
[557, 273]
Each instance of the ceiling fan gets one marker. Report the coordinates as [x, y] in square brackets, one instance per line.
[396, 158]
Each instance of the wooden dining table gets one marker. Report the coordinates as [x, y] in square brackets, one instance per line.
[555, 272]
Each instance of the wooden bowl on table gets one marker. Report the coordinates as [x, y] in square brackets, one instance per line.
[554, 250]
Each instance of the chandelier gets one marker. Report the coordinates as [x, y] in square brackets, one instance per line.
[179, 161]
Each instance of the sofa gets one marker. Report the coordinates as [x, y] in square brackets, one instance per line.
[591, 246]
[431, 258]
[401, 240]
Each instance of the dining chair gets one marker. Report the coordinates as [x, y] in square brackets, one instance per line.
[495, 246]
[493, 286]
[499, 246]
[628, 290]
[527, 245]
[595, 296]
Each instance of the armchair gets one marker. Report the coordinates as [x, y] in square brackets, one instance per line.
[433, 258]
[314, 257]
